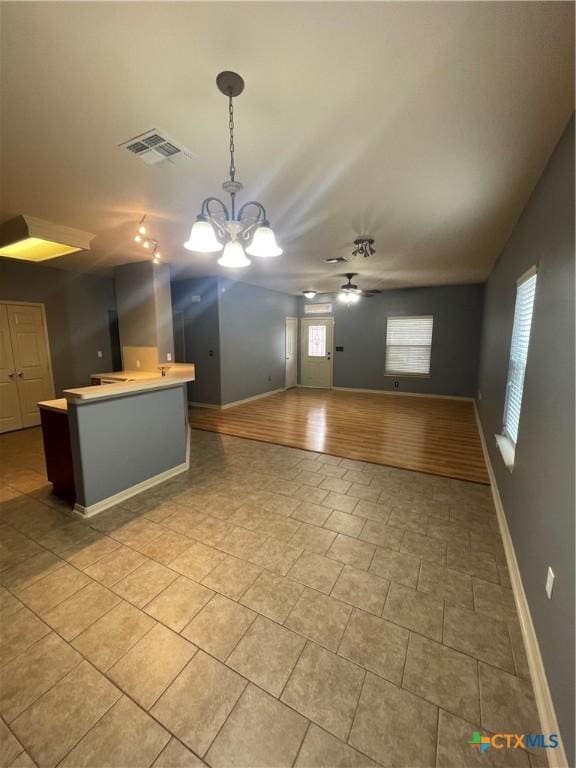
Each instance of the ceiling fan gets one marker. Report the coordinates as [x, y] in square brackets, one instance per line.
[350, 293]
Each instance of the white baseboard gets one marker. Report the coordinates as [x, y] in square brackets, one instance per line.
[542, 695]
[407, 394]
[118, 498]
[225, 406]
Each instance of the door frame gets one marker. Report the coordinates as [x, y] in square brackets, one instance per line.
[42, 308]
[301, 348]
[296, 349]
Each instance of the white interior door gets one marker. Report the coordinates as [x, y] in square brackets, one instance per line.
[316, 364]
[291, 352]
[10, 417]
[31, 359]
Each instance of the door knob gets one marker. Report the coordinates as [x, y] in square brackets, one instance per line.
[19, 373]
[11, 375]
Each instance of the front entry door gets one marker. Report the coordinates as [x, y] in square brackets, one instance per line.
[317, 335]
[291, 352]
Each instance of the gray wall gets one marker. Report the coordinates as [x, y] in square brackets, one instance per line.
[361, 330]
[538, 496]
[136, 306]
[145, 307]
[201, 335]
[120, 442]
[163, 308]
[252, 338]
[77, 316]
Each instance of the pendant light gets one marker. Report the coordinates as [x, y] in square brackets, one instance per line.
[220, 227]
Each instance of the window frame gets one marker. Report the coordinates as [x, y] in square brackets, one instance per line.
[318, 309]
[505, 441]
[407, 374]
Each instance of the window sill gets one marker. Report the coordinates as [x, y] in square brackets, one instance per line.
[400, 375]
[507, 449]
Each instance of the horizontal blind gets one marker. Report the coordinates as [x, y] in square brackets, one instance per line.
[518, 356]
[408, 344]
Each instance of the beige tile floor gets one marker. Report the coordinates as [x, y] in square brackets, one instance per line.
[271, 607]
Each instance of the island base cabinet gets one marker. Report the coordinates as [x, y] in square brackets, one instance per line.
[59, 466]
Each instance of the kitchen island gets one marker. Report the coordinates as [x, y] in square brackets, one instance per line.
[122, 438]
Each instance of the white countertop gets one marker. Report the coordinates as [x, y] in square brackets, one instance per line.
[60, 405]
[126, 375]
[182, 374]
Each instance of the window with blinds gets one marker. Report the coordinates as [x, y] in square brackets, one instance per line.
[409, 345]
[525, 292]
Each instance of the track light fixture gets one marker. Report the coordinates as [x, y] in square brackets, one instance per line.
[364, 246]
[142, 237]
[138, 237]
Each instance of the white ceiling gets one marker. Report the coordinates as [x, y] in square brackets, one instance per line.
[425, 125]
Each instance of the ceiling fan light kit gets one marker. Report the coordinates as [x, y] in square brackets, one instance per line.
[309, 294]
[348, 298]
[219, 227]
[350, 293]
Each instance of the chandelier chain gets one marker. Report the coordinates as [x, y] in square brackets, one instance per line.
[231, 127]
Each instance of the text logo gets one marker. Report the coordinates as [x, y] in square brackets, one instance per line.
[513, 741]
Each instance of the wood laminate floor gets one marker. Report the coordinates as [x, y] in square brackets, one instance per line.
[432, 435]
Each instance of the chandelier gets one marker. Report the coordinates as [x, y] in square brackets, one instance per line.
[219, 227]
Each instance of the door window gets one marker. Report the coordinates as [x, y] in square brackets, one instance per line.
[316, 341]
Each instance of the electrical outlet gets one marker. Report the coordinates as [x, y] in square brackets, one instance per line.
[549, 582]
[396, 385]
[479, 395]
[137, 363]
[100, 353]
[169, 357]
[269, 378]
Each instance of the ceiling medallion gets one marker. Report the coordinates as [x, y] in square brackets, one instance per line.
[219, 226]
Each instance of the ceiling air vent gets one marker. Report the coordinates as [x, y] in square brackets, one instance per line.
[155, 147]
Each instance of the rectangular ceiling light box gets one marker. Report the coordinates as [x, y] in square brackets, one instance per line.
[29, 239]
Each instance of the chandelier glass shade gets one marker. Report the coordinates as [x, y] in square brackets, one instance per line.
[220, 227]
[233, 256]
[202, 238]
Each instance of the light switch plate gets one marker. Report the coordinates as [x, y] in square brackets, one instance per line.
[169, 357]
[100, 353]
[549, 582]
